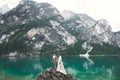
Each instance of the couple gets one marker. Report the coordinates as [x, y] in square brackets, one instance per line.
[60, 66]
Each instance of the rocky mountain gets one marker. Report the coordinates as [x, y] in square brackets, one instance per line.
[90, 31]
[116, 38]
[84, 27]
[34, 27]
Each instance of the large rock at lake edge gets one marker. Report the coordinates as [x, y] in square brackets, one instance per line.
[51, 74]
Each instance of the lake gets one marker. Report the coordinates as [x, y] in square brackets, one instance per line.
[94, 68]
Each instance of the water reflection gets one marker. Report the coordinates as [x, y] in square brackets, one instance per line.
[93, 68]
[12, 59]
[72, 71]
[24, 66]
[87, 63]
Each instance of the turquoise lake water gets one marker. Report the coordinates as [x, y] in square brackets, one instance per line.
[94, 68]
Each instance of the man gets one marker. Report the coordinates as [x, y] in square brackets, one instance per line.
[54, 61]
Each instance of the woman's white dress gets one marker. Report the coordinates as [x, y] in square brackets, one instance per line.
[60, 66]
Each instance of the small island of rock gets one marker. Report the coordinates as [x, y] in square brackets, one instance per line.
[51, 74]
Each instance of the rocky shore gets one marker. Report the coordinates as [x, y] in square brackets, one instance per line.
[51, 74]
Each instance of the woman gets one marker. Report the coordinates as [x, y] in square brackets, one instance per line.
[60, 66]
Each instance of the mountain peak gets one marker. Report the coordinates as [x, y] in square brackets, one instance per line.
[103, 21]
[104, 24]
[67, 14]
[34, 3]
[24, 1]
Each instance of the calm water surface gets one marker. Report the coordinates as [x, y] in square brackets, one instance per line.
[94, 68]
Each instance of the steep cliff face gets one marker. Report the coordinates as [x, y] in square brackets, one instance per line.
[33, 26]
